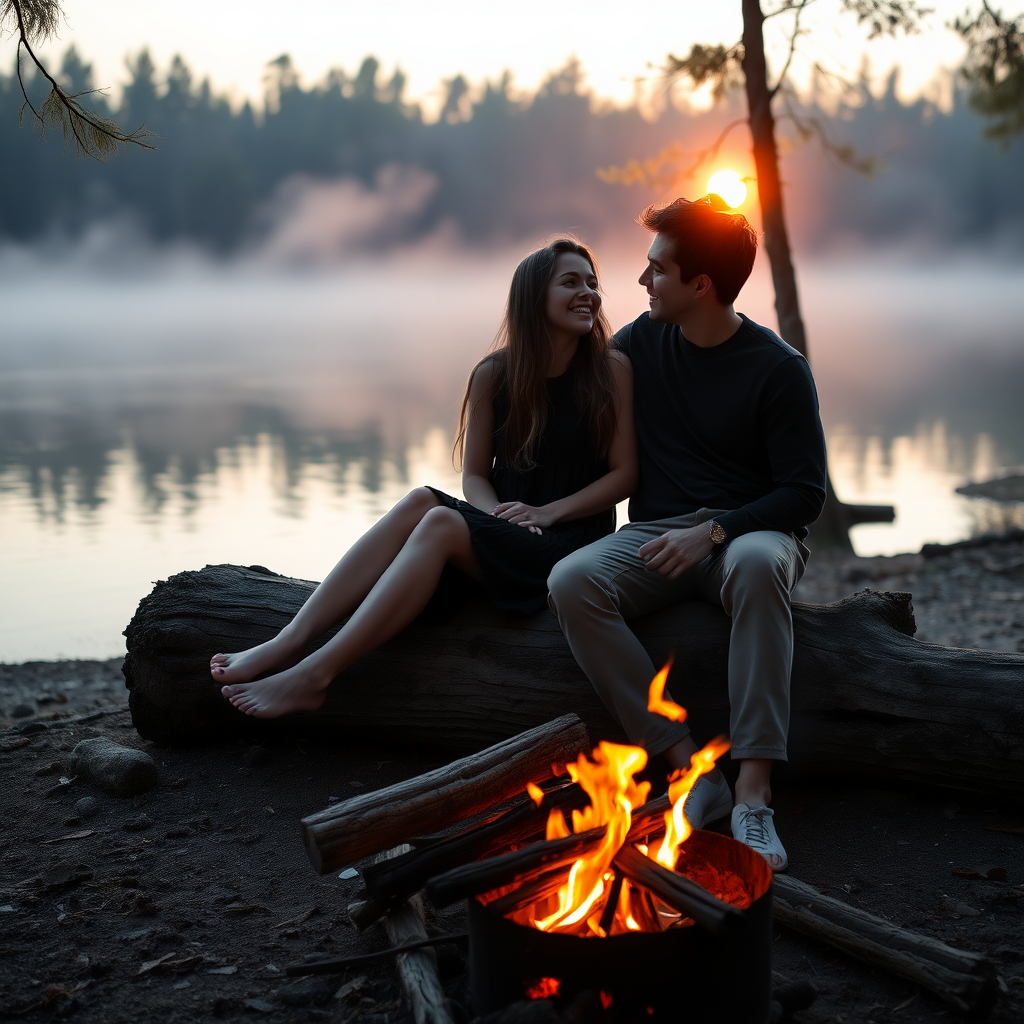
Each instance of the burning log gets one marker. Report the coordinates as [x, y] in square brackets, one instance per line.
[352, 829]
[675, 891]
[965, 980]
[398, 878]
[516, 867]
[869, 701]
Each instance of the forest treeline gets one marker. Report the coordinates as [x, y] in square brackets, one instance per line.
[505, 167]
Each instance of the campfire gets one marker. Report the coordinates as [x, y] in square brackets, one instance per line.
[607, 889]
[575, 880]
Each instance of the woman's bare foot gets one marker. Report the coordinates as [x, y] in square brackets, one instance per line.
[301, 688]
[245, 666]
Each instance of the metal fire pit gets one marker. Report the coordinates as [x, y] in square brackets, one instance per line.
[681, 973]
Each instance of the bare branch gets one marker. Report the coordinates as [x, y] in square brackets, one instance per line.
[810, 126]
[659, 171]
[89, 134]
[994, 67]
[798, 8]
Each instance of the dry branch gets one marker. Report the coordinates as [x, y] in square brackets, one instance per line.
[348, 831]
[965, 980]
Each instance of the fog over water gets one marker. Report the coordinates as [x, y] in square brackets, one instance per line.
[159, 411]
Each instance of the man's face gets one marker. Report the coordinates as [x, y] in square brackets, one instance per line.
[671, 299]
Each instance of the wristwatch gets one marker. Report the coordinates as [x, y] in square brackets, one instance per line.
[718, 535]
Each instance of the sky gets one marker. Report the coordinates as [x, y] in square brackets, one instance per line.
[617, 42]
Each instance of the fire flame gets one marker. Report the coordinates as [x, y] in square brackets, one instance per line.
[656, 701]
[607, 778]
[677, 827]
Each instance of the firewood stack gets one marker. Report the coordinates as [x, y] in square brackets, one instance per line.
[471, 830]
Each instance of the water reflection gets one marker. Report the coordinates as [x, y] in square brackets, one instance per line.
[271, 422]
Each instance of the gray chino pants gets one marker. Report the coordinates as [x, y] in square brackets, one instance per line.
[595, 590]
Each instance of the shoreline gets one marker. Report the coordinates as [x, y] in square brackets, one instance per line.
[966, 594]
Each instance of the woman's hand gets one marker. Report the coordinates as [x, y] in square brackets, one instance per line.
[536, 520]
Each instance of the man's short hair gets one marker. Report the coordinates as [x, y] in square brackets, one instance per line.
[707, 241]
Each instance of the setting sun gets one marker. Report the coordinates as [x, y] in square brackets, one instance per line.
[730, 186]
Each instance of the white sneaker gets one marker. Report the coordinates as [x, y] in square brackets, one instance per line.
[708, 801]
[754, 827]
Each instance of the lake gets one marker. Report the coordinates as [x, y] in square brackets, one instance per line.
[164, 412]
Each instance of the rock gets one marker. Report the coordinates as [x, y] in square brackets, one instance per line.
[86, 807]
[308, 992]
[139, 824]
[123, 771]
[22, 711]
[530, 1011]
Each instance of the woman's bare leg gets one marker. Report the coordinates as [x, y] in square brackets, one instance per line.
[339, 595]
[400, 594]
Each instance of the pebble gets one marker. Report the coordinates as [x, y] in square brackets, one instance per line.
[308, 992]
[123, 771]
[22, 711]
[86, 807]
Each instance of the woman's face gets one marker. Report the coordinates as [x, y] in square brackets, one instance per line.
[572, 301]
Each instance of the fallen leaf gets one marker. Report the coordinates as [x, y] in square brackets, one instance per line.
[298, 920]
[259, 1005]
[233, 969]
[246, 908]
[1005, 829]
[905, 1003]
[71, 836]
[351, 988]
[14, 744]
[152, 965]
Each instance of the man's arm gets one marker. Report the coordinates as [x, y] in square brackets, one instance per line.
[795, 442]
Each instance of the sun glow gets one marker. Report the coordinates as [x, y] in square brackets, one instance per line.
[730, 186]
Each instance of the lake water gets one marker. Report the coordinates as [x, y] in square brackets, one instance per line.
[167, 414]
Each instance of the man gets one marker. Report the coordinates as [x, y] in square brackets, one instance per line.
[732, 466]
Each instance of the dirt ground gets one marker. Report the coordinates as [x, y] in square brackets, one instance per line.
[207, 874]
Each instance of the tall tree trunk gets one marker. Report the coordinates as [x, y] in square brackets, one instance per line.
[833, 527]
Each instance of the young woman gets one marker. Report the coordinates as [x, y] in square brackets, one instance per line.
[548, 449]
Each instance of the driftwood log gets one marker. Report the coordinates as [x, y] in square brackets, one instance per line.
[870, 703]
[967, 981]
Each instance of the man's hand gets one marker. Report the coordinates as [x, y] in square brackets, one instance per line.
[534, 519]
[674, 552]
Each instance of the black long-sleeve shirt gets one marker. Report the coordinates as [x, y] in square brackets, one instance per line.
[732, 427]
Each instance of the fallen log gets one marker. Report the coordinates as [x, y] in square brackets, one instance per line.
[869, 702]
[352, 829]
[965, 980]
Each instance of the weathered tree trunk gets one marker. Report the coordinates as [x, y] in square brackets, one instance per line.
[833, 526]
[870, 703]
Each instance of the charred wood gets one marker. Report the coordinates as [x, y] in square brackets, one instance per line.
[518, 866]
[347, 831]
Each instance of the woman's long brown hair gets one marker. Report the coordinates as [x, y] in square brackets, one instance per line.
[521, 356]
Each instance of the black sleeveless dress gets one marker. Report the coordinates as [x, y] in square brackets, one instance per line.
[514, 563]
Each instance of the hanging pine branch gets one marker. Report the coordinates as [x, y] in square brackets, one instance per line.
[35, 21]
